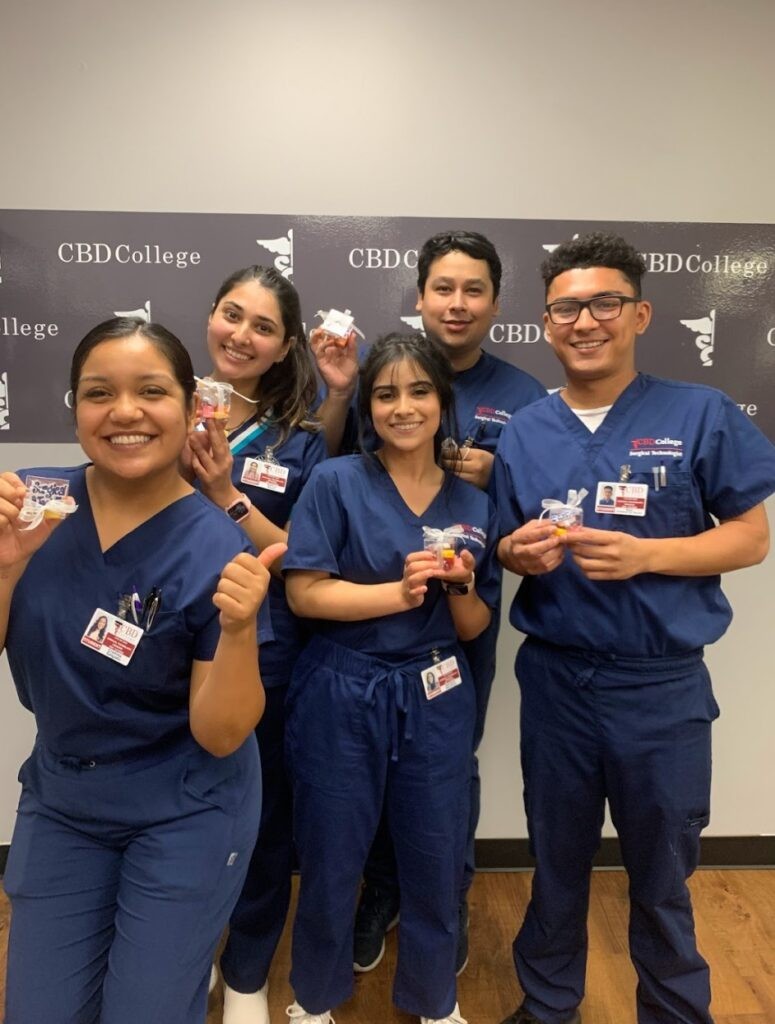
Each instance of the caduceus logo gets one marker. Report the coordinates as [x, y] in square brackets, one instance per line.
[414, 323]
[705, 329]
[282, 247]
[143, 313]
[551, 246]
[5, 423]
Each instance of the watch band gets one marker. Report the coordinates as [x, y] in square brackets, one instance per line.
[459, 589]
[239, 509]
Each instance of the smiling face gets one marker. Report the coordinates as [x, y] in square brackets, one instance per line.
[592, 350]
[458, 305]
[405, 407]
[246, 334]
[131, 413]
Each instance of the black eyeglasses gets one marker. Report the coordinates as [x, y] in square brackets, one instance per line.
[602, 307]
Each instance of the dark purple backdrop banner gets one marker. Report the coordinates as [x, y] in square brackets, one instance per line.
[63, 272]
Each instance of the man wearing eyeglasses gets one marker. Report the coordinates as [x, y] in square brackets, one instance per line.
[616, 702]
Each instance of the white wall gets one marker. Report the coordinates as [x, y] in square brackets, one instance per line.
[611, 109]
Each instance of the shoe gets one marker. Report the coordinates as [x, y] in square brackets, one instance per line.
[524, 1016]
[461, 957]
[377, 914]
[245, 1007]
[299, 1014]
[213, 980]
[451, 1018]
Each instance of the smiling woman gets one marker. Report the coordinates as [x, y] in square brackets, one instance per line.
[131, 632]
[381, 703]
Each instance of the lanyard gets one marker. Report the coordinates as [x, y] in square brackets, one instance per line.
[250, 433]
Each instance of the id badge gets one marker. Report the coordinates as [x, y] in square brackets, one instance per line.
[615, 498]
[263, 473]
[112, 636]
[440, 677]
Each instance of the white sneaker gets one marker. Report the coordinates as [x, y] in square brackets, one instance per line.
[299, 1014]
[213, 979]
[245, 1007]
[451, 1018]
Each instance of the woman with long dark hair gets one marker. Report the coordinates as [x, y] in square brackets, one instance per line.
[254, 466]
[382, 554]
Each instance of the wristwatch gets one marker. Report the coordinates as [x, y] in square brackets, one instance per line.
[459, 589]
[239, 508]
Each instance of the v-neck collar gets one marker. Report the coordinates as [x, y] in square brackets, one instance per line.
[398, 499]
[135, 544]
[591, 444]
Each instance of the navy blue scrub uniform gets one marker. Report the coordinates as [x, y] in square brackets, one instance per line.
[486, 396]
[616, 700]
[131, 842]
[257, 920]
[363, 733]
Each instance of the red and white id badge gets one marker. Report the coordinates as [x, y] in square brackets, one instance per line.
[615, 498]
[112, 636]
[263, 473]
[440, 677]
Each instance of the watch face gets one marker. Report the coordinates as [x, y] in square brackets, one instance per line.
[237, 511]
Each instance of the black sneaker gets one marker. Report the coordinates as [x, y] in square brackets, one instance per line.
[461, 959]
[523, 1016]
[377, 913]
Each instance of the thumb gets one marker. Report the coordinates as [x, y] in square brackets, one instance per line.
[467, 559]
[271, 553]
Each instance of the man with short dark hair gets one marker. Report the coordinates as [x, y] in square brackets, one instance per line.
[616, 702]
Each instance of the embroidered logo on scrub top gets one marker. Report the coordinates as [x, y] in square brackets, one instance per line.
[662, 447]
[469, 534]
[489, 415]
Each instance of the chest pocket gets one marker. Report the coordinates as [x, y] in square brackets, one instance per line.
[162, 662]
[669, 509]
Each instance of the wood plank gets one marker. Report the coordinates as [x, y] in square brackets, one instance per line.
[735, 917]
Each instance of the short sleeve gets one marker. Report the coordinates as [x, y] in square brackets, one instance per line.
[202, 616]
[315, 452]
[318, 525]
[488, 570]
[735, 466]
[501, 487]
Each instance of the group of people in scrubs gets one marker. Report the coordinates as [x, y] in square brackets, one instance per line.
[316, 580]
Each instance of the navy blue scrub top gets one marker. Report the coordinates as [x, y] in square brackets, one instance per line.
[717, 463]
[298, 453]
[86, 705]
[351, 522]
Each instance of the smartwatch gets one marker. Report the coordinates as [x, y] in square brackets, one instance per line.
[459, 589]
[239, 508]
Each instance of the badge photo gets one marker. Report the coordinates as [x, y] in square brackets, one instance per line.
[440, 677]
[272, 476]
[112, 637]
[615, 498]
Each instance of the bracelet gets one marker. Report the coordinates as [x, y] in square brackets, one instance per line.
[459, 589]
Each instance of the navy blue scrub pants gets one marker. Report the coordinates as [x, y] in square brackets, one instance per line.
[257, 920]
[362, 732]
[637, 733]
[121, 879]
[380, 870]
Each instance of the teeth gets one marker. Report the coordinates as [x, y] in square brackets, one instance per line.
[405, 426]
[588, 344]
[234, 353]
[130, 439]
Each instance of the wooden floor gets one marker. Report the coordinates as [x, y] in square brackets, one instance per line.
[735, 915]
